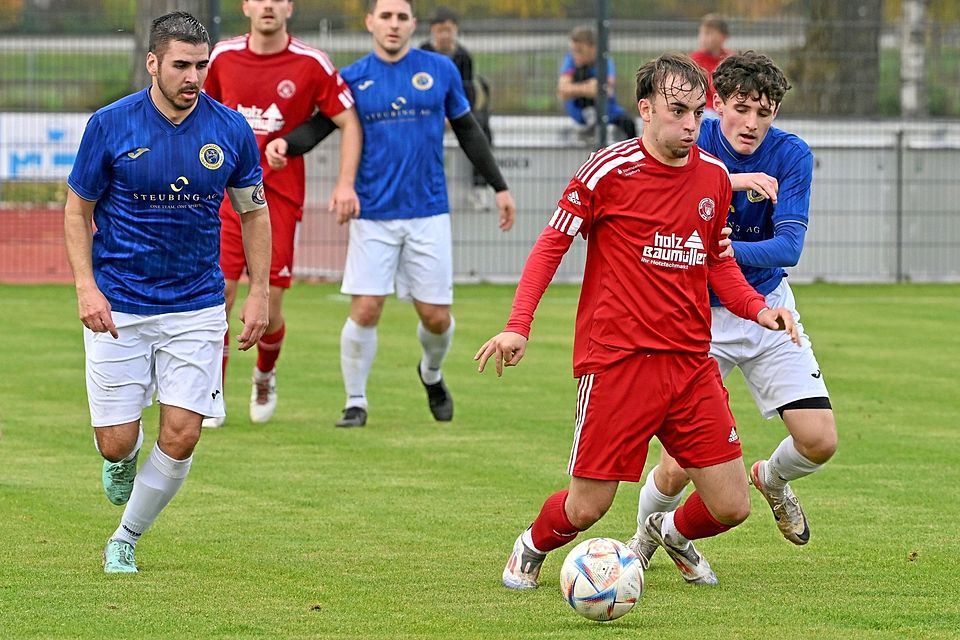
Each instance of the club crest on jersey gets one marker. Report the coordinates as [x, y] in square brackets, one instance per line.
[707, 207]
[211, 156]
[422, 80]
[286, 89]
[753, 196]
[258, 196]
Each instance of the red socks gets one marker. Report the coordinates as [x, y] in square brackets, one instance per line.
[552, 528]
[268, 349]
[694, 521]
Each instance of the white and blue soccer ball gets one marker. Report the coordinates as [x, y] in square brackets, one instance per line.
[601, 579]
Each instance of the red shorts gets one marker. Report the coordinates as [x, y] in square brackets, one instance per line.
[284, 219]
[679, 398]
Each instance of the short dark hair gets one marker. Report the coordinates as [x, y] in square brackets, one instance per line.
[715, 21]
[444, 14]
[749, 72]
[179, 26]
[584, 34]
[652, 77]
[372, 5]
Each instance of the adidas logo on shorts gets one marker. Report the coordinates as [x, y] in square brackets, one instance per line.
[733, 435]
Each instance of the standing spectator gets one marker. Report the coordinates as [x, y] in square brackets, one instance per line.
[151, 171]
[711, 36]
[444, 39]
[578, 87]
[277, 82]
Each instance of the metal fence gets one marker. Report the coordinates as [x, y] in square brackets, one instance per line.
[884, 199]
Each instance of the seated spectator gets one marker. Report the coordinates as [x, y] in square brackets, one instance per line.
[578, 88]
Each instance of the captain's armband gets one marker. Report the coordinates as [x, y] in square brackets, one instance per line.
[246, 199]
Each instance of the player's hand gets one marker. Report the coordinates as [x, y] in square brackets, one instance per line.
[344, 203]
[766, 186]
[95, 311]
[726, 244]
[507, 208]
[276, 153]
[780, 319]
[255, 317]
[508, 347]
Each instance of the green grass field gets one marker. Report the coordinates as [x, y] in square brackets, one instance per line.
[400, 530]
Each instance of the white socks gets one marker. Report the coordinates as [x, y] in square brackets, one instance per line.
[158, 480]
[669, 532]
[358, 348]
[653, 500]
[786, 464]
[435, 348]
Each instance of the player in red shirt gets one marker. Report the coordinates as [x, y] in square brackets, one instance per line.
[711, 36]
[277, 82]
[651, 210]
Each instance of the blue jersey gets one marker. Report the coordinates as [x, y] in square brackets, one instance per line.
[575, 106]
[766, 237]
[158, 188]
[402, 107]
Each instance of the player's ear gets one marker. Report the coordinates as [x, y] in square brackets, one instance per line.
[644, 106]
[717, 102]
[153, 63]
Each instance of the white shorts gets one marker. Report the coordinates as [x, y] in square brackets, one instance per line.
[412, 257]
[176, 356]
[777, 371]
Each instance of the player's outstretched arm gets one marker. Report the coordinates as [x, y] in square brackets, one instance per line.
[94, 309]
[255, 314]
[779, 319]
[506, 347]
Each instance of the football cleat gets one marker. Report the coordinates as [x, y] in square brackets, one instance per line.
[352, 417]
[439, 398]
[693, 566]
[118, 557]
[213, 423]
[523, 567]
[785, 506]
[263, 396]
[643, 546]
[118, 479]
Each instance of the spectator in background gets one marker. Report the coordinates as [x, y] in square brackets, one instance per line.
[444, 33]
[578, 88]
[710, 52]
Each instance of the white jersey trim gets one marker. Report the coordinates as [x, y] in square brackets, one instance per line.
[610, 166]
[598, 158]
[583, 402]
[233, 44]
[302, 49]
[565, 222]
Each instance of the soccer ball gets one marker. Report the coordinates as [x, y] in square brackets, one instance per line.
[601, 579]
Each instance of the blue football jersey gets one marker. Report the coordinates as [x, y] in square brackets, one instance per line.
[158, 188]
[402, 107]
[787, 158]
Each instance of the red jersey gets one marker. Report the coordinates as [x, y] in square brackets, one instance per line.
[653, 235]
[276, 93]
[709, 63]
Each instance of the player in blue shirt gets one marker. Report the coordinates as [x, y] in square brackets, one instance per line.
[771, 171]
[151, 172]
[401, 241]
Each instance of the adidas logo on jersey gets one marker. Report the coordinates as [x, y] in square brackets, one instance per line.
[574, 197]
[733, 435]
[674, 251]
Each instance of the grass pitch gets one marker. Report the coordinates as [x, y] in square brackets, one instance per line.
[399, 530]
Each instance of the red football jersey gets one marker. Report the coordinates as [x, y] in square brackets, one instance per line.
[653, 235]
[709, 63]
[276, 93]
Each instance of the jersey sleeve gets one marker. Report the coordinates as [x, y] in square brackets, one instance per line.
[611, 70]
[724, 276]
[93, 166]
[455, 103]
[333, 95]
[793, 196]
[567, 67]
[572, 216]
[248, 172]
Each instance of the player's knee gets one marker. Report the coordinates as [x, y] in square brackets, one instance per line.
[819, 444]
[670, 479]
[583, 516]
[731, 512]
